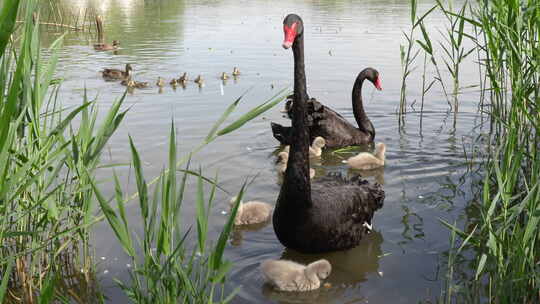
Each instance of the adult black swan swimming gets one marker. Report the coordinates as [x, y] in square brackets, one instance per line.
[332, 213]
[334, 128]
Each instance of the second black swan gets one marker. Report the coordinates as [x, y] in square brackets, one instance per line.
[334, 128]
[332, 213]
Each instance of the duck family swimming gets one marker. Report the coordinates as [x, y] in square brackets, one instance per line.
[125, 76]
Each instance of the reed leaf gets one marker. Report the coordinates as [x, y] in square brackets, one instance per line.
[8, 16]
[279, 97]
[120, 230]
[5, 278]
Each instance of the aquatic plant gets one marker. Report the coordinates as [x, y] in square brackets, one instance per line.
[46, 203]
[49, 195]
[505, 236]
[408, 55]
[166, 267]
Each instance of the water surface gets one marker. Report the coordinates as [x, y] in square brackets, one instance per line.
[399, 262]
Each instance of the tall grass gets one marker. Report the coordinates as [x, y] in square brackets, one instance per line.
[46, 202]
[408, 55]
[49, 195]
[505, 241]
[166, 267]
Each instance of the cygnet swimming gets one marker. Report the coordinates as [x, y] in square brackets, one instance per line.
[253, 212]
[287, 275]
[283, 157]
[315, 150]
[367, 161]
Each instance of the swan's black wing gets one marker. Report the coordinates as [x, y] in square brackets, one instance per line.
[336, 220]
[342, 208]
[325, 122]
[316, 112]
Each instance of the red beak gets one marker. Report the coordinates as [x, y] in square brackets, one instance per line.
[378, 84]
[290, 35]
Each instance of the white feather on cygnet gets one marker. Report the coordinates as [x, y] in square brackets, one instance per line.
[283, 157]
[291, 276]
[253, 212]
[315, 150]
[367, 161]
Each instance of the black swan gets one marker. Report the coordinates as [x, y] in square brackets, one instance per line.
[334, 128]
[333, 213]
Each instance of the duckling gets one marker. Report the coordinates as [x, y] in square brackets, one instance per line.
[253, 212]
[315, 150]
[236, 72]
[287, 275]
[141, 84]
[224, 76]
[160, 82]
[174, 82]
[283, 157]
[107, 47]
[316, 147]
[183, 79]
[116, 73]
[134, 84]
[367, 161]
[199, 80]
[128, 82]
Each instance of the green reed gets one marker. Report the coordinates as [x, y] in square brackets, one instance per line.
[49, 195]
[505, 241]
[165, 266]
[46, 201]
[408, 55]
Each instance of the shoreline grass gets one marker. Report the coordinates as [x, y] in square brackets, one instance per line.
[49, 195]
[505, 241]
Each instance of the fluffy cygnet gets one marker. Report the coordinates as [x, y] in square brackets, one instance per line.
[253, 212]
[290, 276]
[283, 157]
[367, 161]
[316, 147]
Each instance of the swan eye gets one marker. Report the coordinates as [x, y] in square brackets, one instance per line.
[290, 34]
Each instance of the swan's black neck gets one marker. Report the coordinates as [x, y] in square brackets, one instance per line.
[364, 124]
[296, 186]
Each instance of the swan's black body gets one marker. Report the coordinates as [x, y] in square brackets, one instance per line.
[331, 213]
[334, 128]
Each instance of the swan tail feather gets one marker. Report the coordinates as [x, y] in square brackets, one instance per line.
[281, 133]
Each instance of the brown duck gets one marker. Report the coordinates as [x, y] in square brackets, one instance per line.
[107, 47]
[116, 73]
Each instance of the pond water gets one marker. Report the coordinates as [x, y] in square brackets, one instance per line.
[423, 179]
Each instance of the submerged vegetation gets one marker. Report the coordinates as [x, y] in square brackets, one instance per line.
[49, 198]
[504, 239]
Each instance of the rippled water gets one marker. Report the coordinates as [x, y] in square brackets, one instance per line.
[399, 262]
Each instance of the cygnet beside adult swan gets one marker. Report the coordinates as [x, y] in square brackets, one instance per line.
[253, 212]
[368, 161]
[291, 276]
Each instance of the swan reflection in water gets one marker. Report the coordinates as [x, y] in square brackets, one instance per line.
[377, 174]
[349, 269]
[237, 234]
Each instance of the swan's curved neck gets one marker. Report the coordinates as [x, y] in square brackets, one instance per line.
[364, 124]
[297, 185]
